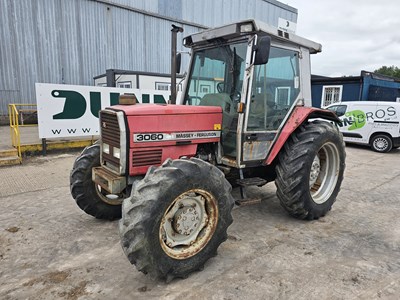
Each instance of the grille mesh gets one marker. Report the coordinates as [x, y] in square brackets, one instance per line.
[110, 134]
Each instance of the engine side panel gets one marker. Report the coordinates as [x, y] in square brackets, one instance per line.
[170, 134]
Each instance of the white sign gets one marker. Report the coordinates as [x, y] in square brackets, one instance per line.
[72, 110]
[287, 25]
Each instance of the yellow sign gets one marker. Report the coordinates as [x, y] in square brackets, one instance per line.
[217, 126]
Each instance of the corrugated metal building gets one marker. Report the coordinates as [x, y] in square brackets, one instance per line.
[368, 86]
[58, 41]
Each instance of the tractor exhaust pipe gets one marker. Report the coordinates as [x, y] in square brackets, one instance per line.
[174, 67]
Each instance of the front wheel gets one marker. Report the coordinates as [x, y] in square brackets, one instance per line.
[90, 197]
[310, 170]
[176, 218]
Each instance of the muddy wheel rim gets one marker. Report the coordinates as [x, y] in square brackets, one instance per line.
[324, 173]
[188, 224]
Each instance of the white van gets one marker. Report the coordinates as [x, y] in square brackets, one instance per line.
[371, 123]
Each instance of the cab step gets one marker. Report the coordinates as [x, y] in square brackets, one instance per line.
[247, 201]
[251, 181]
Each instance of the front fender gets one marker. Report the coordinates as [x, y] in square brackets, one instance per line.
[299, 115]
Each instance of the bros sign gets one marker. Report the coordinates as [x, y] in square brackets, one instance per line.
[73, 110]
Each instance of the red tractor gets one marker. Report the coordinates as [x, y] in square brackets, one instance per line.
[244, 122]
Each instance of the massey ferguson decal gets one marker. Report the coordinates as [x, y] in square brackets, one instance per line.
[157, 137]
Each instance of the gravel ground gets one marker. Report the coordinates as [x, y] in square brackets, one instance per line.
[50, 249]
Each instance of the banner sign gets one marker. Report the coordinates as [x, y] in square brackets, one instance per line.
[287, 25]
[73, 110]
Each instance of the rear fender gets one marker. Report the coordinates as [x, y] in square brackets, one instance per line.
[299, 115]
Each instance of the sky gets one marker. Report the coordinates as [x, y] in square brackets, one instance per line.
[355, 34]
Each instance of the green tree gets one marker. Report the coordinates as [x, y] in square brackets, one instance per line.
[389, 71]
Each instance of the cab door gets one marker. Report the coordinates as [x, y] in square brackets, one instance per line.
[274, 89]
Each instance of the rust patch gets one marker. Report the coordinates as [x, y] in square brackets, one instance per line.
[281, 228]
[13, 229]
[52, 278]
[75, 292]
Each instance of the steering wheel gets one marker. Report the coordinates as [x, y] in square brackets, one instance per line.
[220, 87]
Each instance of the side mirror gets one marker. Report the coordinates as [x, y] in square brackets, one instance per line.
[261, 50]
[178, 63]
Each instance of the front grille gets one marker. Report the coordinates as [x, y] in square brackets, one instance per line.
[146, 158]
[110, 134]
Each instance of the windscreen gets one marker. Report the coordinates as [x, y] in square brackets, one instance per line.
[216, 73]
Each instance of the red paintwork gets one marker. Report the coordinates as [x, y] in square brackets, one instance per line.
[298, 116]
[167, 152]
[154, 118]
[162, 109]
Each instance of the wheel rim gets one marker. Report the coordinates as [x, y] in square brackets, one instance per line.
[188, 224]
[324, 173]
[380, 144]
[111, 199]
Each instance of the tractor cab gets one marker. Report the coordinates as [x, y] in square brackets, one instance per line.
[257, 74]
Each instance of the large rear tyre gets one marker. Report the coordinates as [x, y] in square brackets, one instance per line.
[310, 170]
[90, 197]
[176, 218]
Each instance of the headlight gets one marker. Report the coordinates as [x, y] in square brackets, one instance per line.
[116, 152]
[246, 27]
[106, 148]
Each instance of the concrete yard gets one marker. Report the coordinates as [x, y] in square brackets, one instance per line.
[50, 249]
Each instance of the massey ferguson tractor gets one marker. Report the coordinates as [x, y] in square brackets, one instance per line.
[245, 120]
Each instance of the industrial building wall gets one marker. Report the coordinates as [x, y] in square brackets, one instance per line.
[58, 41]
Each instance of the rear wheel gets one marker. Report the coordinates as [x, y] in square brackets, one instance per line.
[381, 143]
[310, 170]
[90, 197]
[176, 218]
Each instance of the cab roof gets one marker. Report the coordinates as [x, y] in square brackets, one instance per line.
[246, 27]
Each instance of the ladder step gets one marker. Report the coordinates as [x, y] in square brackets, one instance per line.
[251, 181]
[248, 201]
[8, 153]
[9, 161]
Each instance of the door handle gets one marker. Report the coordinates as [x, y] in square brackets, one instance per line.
[251, 137]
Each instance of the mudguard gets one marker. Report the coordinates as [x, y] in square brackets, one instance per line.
[299, 115]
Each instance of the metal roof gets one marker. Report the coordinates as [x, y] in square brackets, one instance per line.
[258, 26]
[69, 42]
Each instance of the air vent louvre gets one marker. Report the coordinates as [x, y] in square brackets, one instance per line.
[146, 158]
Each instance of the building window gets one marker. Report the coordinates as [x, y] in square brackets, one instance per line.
[124, 84]
[331, 94]
[205, 88]
[282, 95]
[163, 86]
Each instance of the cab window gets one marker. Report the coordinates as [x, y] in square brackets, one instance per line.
[275, 88]
[340, 110]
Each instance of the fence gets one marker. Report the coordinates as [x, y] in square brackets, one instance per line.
[19, 113]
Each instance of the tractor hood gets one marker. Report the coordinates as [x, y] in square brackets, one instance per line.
[164, 109]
